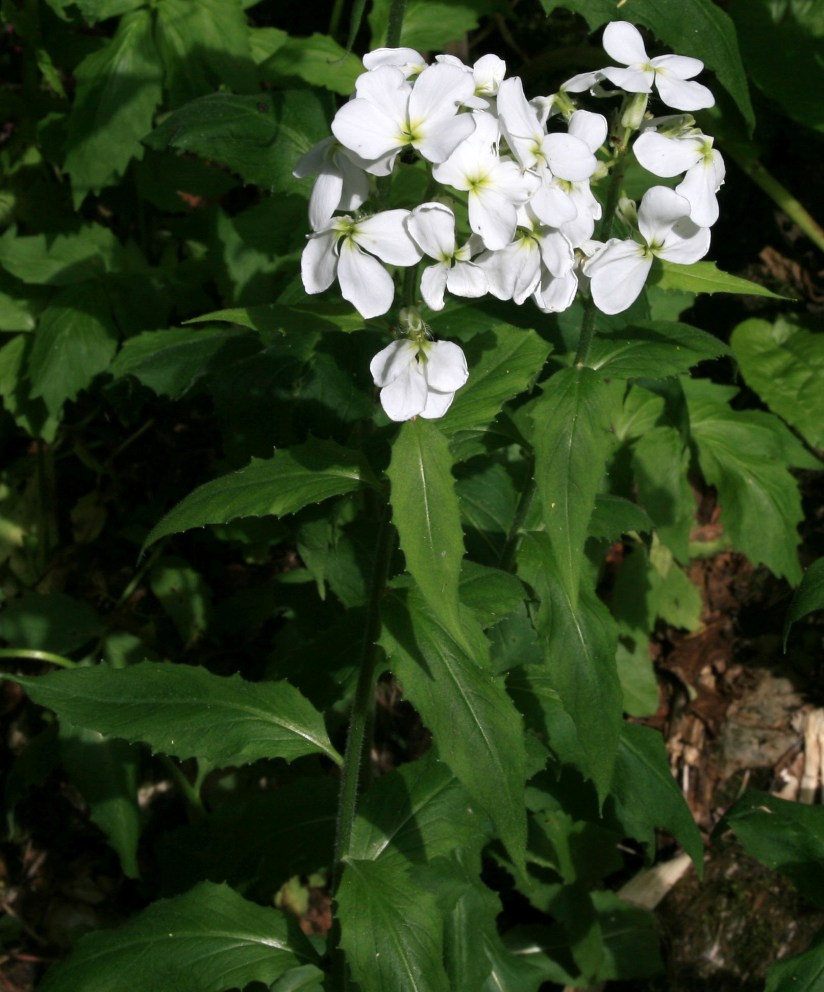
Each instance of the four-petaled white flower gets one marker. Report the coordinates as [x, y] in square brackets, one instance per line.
[347, 249]
[618, 271]
[670, 73]
[342, 183]
[418, 377]
[432, 225]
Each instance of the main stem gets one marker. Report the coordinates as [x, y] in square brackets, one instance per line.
[395, 23]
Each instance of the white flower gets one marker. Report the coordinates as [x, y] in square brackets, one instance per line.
[487, 74]
[690, 152]
[341, 184]
[346, 250]
[496, 186]
[389, 114]
[407, 59]
[623, 42]
[592, 130]
[418, 378]
[432, 225]
[618, 271]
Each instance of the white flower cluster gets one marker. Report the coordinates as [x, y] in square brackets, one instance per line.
[522, 189]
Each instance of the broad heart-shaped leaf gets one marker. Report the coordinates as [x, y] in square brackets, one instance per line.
[105, 772]
[258, 137]
[571, 442]
[690, 27]
[391, 929]
[117, 93]
[800, 973]
[284, 483]
[61, 259]
[646, 795]
[477, 730]
[208, 940]
[652, 350]
[808, 596]
[318, 59]
[784, 364]
[785, 836]
[579, 646]
[75, 339]
[186, 712]
[503, 362]
[704, 277]
[744, 458]
[426, 515]
[414, 814]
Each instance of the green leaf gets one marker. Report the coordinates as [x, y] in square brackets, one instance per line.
[259, 137]
[490, 593]
[203, 43]
[785, 836]
[614, 516]
[171, 362]
[118, 90]
[784, 364]
[318, 60]
[282, 484]
[426, 515]
[391, 929]
[48, 622]
[809, 596]
[428, 24]
[186, 712]
[61, 259]
[105, 772]
[208, 940]
[652, 350]
[75, 339]
[631, 939]
[416, 813]
[745, 460]
[704, 277]
[693, 27]
[184, 596]
[571, 442]
[503, 362]
[477, 730]
[29, 414]
[800, 973]
[276, 318]
[647, 796]
[579, 646]
[660, 464]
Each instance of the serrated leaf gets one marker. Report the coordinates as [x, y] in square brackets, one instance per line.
[745, 460]
[428, 24]
[693, 27]
[208, 940]
[318, 60]
[391, 930]
[170, 362]
[787, 837]
[259, 137]
[784, 364]
[652, 350]
[646, 795]
[704, 277]
[579, 641]
[203, 43]
[476, 728]
[809, 596]
[282, 484]
[118, 90]
[61, 259]
[75, 339]
[571, 442]
[186, 712]
[490, 592]
[278, 318]
[426, 515]
[614, 516]
[30, 414]
[105, 772]
[660, 463]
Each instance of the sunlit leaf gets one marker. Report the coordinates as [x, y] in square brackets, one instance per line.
[704, 277]
[653, 350]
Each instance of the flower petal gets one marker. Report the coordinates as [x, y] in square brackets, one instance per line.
[433, 285]
[660, 208]
[556, 293]
[493, 216]
[318, 263]
[385, 235]
[445, 369]
[631, 80]
[392, 360]
[589, 128]
[617, 274]
[406, 396]
[700, 185]
[439, 138]
[323, 202]
[364, 282]
[406, 59]
[685, 243]
[438, 93]
[622, 41]
[663, 156]
[682, 95]
[682, 66]
[436, 404]
[432, 225]
[466, 279]
[569, 157]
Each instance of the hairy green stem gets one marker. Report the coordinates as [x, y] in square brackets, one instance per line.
[190, 793]
[779, 194]
[28, 654]
[513, 538]
[395, 23]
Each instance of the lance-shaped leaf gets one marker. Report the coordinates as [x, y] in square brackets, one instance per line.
[571, 442]
[647, 796]
[652, 350]
[579, 646]
[391, 929]
[208, 940]
[425, 512]
[477, 729]
[704, 277]
[186, 712]
[286, 482]
[808, 596]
